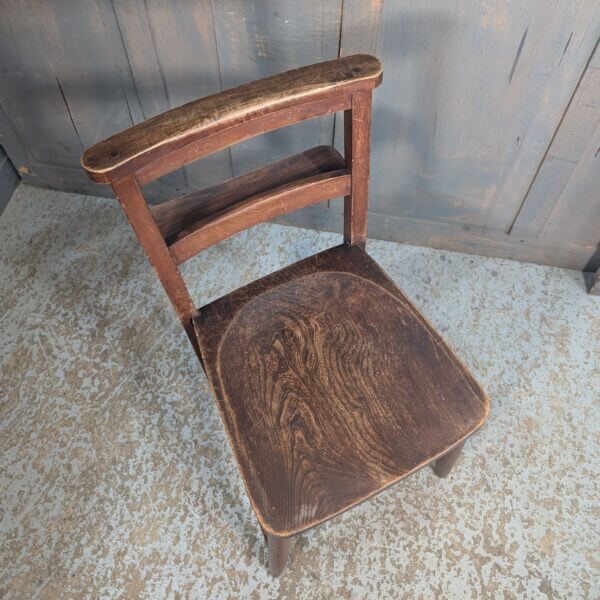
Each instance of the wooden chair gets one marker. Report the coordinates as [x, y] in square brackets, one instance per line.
[330, 383]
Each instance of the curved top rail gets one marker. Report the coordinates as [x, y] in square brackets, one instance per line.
[126, 152]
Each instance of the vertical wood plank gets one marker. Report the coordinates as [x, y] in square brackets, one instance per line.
[30, 94]
[184, 36]
[470, 99]
[132, 19]
[90, 65]
[360, 32]
[256, 39]
[575, 217]
[569, 163]
[173, 55]
[568, 38]
[138, 40]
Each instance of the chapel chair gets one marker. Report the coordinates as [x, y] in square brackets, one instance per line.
[331, 385]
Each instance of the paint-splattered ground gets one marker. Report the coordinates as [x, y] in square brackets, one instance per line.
[116, 480]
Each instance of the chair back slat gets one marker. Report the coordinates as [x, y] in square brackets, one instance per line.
[239, 133]
[183, 227]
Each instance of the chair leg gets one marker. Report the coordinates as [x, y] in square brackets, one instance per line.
[278, 553]
[444, 464]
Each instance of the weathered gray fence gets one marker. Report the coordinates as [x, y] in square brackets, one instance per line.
[486, 134]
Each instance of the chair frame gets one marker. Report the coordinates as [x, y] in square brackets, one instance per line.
[145, 152]
[263, 114]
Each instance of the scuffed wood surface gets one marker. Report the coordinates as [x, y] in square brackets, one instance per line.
[125, 152]
[176, 215]
[257, 209]
[341, 390]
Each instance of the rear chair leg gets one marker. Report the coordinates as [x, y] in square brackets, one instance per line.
[278, 553]
[444, 464]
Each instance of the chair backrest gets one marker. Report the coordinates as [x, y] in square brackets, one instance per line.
[180, 228]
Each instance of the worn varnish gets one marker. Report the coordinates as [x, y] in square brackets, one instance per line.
[342, 387]
[259, 208]
[330, 384]
[174, 216]
[124, 152]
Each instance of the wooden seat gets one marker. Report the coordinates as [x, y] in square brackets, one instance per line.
[330, 384]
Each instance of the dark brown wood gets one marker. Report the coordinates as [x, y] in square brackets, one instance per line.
[133, 204]
[278, 553]
[330, 383]
[238, 133]
[357, 134]
[443, 465]
[128, 151]
[178, 214]
[342, 387]
[256, 209]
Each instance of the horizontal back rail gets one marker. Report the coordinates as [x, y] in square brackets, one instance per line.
[127, 152]
[238, 133]
[256, 209]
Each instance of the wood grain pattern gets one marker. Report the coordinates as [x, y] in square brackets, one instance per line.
[357, 134]
[333, 352]
[257, 209]
[164, 42]
[239, 132]
[176, 215]
[127, 151]
[558, 191]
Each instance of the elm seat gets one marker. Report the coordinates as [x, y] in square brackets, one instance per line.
[332, 386]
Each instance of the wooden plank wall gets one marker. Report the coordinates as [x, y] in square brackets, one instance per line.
[485, 130]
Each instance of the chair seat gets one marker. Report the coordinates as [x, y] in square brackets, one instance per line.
[331, 386]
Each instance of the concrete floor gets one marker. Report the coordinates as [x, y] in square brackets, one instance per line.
[116, 479]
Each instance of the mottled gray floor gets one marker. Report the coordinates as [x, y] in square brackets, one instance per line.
[116, 480]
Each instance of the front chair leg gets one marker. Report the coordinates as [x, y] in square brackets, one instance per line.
[278, 553]
[444, 464]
